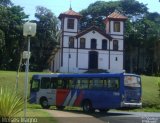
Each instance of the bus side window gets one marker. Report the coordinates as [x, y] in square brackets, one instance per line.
[45, 83]
[71, 84]
[59, 84]
[78, 84]
[113, 83]
[35, 85]
[97, 83]
[105, 83]
[84, 83]
[65, 83]
[54, 82]
[91, 83]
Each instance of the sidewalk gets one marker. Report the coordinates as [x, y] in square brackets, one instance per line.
[71, 117]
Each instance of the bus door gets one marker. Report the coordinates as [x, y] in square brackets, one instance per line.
[65, 92]
[48, 90]
[34, 89]
[112, 96]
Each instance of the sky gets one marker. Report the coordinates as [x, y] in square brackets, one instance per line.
[59, 6]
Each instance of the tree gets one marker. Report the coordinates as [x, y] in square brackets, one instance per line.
[96, 12]
[141, 39]
[11, 37]
[5, 3]
[133, 8]
[141, 31]
[45, 39]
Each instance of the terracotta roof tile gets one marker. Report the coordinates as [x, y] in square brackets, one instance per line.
[116, 15]
[70, 12]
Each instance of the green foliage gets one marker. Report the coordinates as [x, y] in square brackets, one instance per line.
[11, 37]
[96, 12]
[159, 87]
[13, 43]
[10, 103]
[133, 8]
[5, 3]
[45, 40]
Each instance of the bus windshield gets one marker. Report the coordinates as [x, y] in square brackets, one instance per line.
[34, 85]
[132, 81]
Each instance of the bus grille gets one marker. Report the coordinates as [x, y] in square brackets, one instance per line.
[132, 96]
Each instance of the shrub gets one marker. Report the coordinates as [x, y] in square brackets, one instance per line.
[159, 88]
[10, 103]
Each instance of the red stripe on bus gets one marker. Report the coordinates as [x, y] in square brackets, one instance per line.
[61, 96]
[79, 99]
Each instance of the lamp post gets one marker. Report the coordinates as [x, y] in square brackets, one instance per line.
[29, 30]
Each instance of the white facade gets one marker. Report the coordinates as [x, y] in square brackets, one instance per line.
[76, 59]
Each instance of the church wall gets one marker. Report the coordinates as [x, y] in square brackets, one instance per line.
[75, 25]
[66, 41]
[103, 60]
[97, 36]
[112, 28]
[120, 44]
[116, 61]
[69, 63]
[83, 60]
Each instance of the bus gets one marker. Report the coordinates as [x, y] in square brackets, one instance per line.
[91, 91]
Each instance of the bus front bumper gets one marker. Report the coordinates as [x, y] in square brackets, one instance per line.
[131, 105]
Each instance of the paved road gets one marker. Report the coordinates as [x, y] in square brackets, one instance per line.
[72, 116]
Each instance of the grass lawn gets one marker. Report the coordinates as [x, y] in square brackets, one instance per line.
[150, 94]
[8, 79]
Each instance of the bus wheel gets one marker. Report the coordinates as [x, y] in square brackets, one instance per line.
[60, 107]
[44, 103]
[87, 106]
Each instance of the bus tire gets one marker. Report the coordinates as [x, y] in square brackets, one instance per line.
[87, 106]
[60, 107]
[44, 103]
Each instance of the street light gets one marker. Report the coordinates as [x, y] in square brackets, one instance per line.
[29, 30]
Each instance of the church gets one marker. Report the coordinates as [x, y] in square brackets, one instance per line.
[90, 49]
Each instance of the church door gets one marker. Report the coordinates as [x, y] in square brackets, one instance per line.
[93, 60]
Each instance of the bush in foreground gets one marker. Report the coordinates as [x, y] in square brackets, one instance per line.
[10, 103]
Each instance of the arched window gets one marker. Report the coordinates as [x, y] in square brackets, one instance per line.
[104, 44]
[71, 42]
[93, 43]
[115, 45]
[82, 43]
